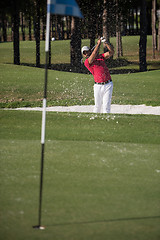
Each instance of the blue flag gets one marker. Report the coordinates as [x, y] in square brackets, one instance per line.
[64, 7]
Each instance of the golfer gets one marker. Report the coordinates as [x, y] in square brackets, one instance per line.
[103, 86]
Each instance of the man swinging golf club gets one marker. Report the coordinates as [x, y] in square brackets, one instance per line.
[103, 86]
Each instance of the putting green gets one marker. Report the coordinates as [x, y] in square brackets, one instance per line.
[101, 176]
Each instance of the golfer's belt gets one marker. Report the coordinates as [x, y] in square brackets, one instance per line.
[103, 83]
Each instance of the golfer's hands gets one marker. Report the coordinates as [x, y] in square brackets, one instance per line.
[110, 51]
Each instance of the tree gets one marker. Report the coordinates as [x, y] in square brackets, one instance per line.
[37, 30]
[28, 15]
[30, 27]
[75, 44]
[154, 44]
[105, 20]
[158, 14]
[143, 37]
[92, 23]
[4, 26]
[118, 30]
[22, 25]
[15, 17]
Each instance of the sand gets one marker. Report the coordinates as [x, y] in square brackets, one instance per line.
[115, 108]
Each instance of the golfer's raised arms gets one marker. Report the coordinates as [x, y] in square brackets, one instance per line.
[110, 51]
[95, 52]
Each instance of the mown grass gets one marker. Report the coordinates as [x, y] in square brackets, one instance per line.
[101, 176]
[81, 127]
[23, 86]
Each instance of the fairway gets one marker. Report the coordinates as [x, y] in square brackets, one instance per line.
[23, 87]
[101, 176]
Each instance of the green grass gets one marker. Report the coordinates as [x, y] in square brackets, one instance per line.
[61, 52]
[101, 176]
[82, 126]
[23, 86]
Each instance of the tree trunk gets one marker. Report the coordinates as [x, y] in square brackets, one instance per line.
[132, 21]
[149, 20]
[30, 26]
[154, 45]
[16, 33]
[68, 27]
[52, 26]
[37, 32]
[93, 32]
[137, 20]
[118, 32]
[75, 43]
[99, 25]
[43, 27]
[59, 27]
[4, 27]
[105, 20]
[62, 28]
[22, 26]
[92, 24]
[143, 37]
[158, 13]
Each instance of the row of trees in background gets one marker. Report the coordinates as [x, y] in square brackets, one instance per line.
[102, 17]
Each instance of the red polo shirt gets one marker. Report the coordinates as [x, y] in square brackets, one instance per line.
[99, 69]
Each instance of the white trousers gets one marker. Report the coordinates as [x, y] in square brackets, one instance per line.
[102, 97]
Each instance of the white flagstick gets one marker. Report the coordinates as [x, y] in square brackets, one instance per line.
[46, 69]
[44, 114]
[48, 26]
[65, 11]
[43, 121]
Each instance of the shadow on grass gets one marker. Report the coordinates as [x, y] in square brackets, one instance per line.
[66, 67]
[115, 66]
[105, 221]
[111, 63]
